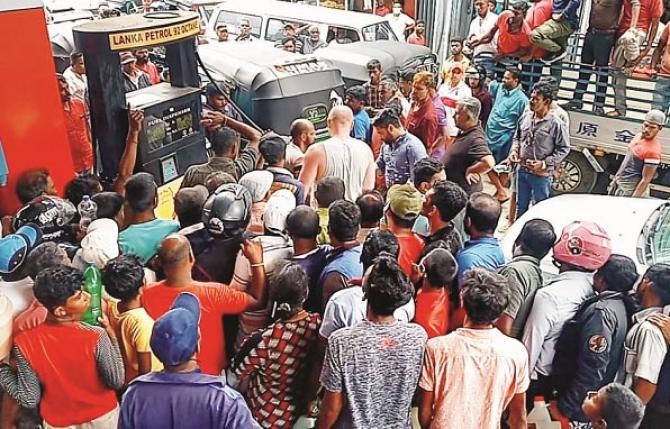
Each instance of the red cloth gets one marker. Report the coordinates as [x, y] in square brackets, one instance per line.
[151, 70]
[649, 9]
[216, 299]
[422, 122]
[411, 247]
[63, 357]
[76, 124]
[539, 13]
[509, 43]
[414, 39]
[432, 311]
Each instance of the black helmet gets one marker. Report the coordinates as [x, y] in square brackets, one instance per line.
[51, 214]
[478, 71]
[227, 211]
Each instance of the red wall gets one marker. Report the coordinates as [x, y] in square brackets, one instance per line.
[32, 127]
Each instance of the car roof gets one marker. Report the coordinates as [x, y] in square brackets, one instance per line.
[189, 3]
[283, 9]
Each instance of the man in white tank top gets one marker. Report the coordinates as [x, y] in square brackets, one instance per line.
[340, 156]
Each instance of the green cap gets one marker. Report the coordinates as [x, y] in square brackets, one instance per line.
[404, 201]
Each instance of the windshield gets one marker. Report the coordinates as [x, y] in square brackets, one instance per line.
[379, 31]
[657, 237]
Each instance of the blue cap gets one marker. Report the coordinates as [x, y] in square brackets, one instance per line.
[174, 338]
[14, 248]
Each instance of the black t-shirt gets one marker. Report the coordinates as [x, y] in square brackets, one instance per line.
[214, 257]
[468, 149]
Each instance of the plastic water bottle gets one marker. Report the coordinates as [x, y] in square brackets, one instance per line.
[93, 285]
[88, 210]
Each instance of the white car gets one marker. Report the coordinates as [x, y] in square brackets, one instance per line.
[638, 227]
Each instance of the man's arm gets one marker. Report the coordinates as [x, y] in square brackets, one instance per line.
[649, 40]
[143, 362]
[648, 172]
[331, 407]
[310, 167]
[257, 290]
[537, 327]
[21, 384]
[516, 299]
[635, 13]
[332, 283]
[370, 175]
[644, 389]
[129, 156]
[476, 41]
[108, 356]
[658, 51]
[332, 381]
[210, 118]
[561, 146]
[484, 165]
[517, 411]
[426, 400]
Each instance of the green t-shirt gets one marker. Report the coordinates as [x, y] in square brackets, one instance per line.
[142, 239]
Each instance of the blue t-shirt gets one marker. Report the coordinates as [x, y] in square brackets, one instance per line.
[362, 126]
[508, 106]
[183, 400]
[142, 239]
[483, 252]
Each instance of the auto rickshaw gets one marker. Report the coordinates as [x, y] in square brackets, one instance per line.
[274, 87]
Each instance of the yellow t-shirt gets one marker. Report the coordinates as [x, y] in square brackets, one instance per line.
[133, 329]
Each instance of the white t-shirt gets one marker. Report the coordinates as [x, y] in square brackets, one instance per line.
[347, 307]
[399, 24]
[20, 293]
[482, 26]
[351, 160]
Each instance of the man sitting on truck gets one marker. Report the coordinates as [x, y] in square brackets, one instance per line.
[552, 36]
[642, 159]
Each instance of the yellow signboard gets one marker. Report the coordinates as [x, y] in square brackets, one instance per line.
[166, 193]
[154, 36]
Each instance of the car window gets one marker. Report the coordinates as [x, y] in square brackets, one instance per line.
[232, 21]
[379, 31]
[275, 28]
[342, 35]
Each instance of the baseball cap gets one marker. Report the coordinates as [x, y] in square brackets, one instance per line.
[174, 338]
[278, 207]
[127, 58]
[14, 248]
[404, 201]
[457, 67]
[656, 117]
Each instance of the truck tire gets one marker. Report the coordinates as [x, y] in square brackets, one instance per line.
[575, 175]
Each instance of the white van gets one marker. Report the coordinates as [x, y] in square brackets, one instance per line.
[268, 18]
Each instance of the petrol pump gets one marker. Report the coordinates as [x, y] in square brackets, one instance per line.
[171, 137]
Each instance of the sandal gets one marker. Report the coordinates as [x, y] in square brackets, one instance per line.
[614, 114]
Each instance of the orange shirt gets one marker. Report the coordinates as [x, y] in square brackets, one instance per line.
[63, 357]
[216, 299]
[665, 56]
[509, 43]
[432, 311]
[76, 124]
[151, 70]
[649, 9]
[410, 249]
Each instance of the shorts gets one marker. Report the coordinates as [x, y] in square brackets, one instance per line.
[500, 153]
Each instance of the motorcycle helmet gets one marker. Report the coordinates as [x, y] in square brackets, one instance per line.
[477, 71]
[50, 213]
[583, 244]
[227, 211]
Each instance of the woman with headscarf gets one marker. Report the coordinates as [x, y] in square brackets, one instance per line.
[276, 359]
[258, 183]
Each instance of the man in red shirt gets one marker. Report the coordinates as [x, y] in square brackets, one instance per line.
[143, 63]
[418, 37]
[512, 31]
[422, 119]
[403, 207]
[78, 131]
[216, 299]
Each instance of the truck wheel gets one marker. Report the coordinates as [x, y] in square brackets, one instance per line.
[574, 175]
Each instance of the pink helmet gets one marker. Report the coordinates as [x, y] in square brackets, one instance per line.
[583, 244]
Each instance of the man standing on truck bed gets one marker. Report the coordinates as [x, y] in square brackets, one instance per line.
[642, 159]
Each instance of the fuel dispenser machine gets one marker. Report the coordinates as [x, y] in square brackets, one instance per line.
[171, 137]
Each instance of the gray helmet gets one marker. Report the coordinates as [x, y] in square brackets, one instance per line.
[227, 211]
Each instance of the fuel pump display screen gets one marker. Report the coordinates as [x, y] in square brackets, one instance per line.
[169, 126]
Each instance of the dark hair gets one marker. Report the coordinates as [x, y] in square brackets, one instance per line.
[514, 71]
[141, 192]
[289, 286]
[285, 40]
[223, 140]
[272, 149]
[553, 84]
[425, 169]
[46, 255]
[54, 285]
[659, 276]
[31, 184]
[211, 89]
[82, 185]
[371, 204]
[373, 64]
[483, 210]
[619, 273]
[303, 222]
[420, 21]
[344, 219]
[377, 242]
[109, 204]
[216, 179]
[536, 238]
[123, 277]
[407, 75]
[449, 199]
[188, 203]
[545, 90]
[357, 92]
[484, 295]
[441, 267]
[75, 56]
[328, 190]
[387, 286]
[387, 117]
[456, 40]
[622, 408]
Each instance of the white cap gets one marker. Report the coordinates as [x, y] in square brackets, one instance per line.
[656, 117]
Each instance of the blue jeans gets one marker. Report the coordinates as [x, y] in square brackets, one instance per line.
[531, 187]
[662, 95]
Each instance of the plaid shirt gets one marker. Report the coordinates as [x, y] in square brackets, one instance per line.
[374, 95]
[277, 364]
